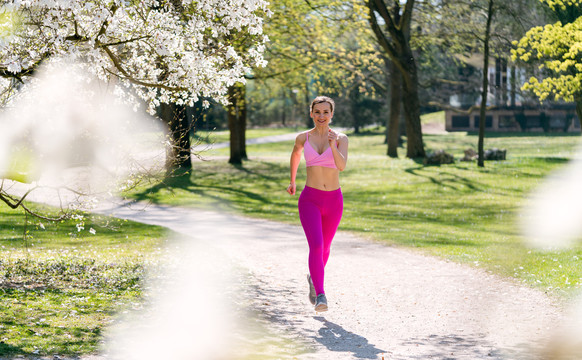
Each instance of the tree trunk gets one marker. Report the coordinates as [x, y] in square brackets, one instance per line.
[393, 131]
[414, 142]
[308, 121]
[482, 113]
[178, 154]
[355, 119]
[283, 114]
[237, 123]
[513, 86]
[355, 98]
[579, 110]
[307, 103]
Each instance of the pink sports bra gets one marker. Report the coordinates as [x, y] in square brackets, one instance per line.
[313, 158]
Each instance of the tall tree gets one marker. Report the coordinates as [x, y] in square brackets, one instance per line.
[394, 39]
[287, 54]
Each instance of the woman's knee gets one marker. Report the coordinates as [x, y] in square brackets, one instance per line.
[316, 248]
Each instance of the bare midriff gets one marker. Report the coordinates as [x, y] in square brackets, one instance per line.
[322, 178]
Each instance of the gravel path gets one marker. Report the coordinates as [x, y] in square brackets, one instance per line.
[385, 302]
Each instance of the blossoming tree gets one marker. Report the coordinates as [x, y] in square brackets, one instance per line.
[152, 51]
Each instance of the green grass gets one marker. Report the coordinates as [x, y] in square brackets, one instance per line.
[459, 211]
[59, 288]
[433, 118]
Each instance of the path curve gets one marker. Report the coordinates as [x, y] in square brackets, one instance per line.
[385, 302]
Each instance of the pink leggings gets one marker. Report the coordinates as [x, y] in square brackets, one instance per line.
[320, 213]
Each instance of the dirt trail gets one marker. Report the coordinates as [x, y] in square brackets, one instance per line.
[385, 302]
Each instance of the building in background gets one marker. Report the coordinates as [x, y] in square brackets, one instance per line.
[507, 110]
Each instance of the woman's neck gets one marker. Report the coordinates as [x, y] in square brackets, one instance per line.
[321, 130]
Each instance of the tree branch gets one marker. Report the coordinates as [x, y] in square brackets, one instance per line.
[406, 15]
[14, 204]
[24, 72]
[314, 8]
[127, 75]
[382, 39]
[125, 41]
[378, 84]
[270, 76]
[384, 43]
[381, 8]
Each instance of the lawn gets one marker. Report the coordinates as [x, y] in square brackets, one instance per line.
[60, 287]
[459, 211]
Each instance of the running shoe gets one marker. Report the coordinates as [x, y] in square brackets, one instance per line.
[312, 294]
[321, 303]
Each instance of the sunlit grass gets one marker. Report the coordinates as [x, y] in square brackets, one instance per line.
[433, 118]
[460, 212]
[59, 288]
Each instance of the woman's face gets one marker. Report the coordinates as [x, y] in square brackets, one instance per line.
[321, 114]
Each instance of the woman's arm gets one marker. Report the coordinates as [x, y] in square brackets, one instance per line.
[339, 147]
[295, 160]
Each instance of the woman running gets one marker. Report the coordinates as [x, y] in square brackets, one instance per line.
[321, 201]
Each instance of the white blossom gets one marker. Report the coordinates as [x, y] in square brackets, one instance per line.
[158, 51]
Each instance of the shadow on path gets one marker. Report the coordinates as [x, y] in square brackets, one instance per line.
[336, 338]
[457, 346]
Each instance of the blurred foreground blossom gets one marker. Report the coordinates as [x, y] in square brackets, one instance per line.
[66, 130]
[552, 217]
[552, 221]
[67, 141]
[189, 312]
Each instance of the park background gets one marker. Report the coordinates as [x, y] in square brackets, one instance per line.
[393, 69]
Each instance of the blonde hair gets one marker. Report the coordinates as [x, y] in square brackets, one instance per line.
[322, 99]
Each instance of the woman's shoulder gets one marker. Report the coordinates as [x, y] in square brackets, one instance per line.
[302, 137]
[341, 135]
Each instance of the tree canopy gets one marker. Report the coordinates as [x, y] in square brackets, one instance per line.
[164, 51]
[317, 47]
[558, 50]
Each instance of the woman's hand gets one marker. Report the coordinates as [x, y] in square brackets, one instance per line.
[332, 137]
[292, 188]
